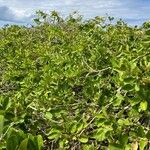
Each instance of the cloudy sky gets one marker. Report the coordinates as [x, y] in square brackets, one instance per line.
[22, 11]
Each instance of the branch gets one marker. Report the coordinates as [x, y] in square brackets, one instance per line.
[139, 57]
[93, 119]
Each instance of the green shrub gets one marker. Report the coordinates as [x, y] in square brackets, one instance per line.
[74, 84]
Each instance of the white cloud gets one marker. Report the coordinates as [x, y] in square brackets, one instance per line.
[6, 13]
[23, 10]
[13, 15]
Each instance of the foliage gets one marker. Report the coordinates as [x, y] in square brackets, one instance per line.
[74, 84]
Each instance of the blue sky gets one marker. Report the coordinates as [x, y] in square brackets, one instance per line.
[22, 11]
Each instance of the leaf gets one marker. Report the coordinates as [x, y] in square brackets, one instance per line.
[7, 103]
[114, 147]
[134, 101]
[137, 88]
[24, 145]
[1, 124]
[100, 135]
[148, 134]
[140, 132]
[48, 115]
[127, 48]
[73, 128]
[123, 122]
[31, 144]
[123, 140]
[129, 80]
[39, 142]
[128, 87]
[54, 135]
[114, 63]
[119, 99]
[37, 21]
[135, 145]
[146, 80]
[128, 147]
[12, 142]
[101, 122]
[61, 144]
[83, 139]
[87, 147]
[143, 144]
[80, 126]
[143, 105]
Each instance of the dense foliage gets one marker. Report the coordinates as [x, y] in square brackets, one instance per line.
[74, 84]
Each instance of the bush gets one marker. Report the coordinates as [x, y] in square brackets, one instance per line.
[74, 84]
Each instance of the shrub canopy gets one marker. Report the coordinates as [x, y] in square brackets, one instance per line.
[74, 84]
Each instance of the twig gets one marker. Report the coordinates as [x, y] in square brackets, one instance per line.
[139, 57]
[93, 119]
[6, 131]
[98, 71]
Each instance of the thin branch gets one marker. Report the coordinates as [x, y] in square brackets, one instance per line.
[141, 56]
[93, 119]
[6, 131]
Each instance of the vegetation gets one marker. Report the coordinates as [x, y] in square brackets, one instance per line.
[70, 84]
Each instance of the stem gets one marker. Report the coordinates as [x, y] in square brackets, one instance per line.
[6, 131]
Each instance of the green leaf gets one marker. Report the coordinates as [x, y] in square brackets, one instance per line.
[128, 147]
[61, 144]
[24, 145]
[54, 135]
[148, 134]
[119, 99]
[73, 128]
[39, 142]
[137, 88]
[12, 142]
[48, 115]
[31, 145]
[7, 103]
[129, 80]
[37, 21]
[134, 101]
[87, 147]
[140, 132]
[100, 135]
[128, 87]
[127, 48]
[143, 105]
[123, 122]
[123, 140]
[114, 147]
[80, 126]
[101, 122]
[1, 124]
[83, 139]
[143, 144]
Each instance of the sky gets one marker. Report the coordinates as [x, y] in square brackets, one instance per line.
[22, 12]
